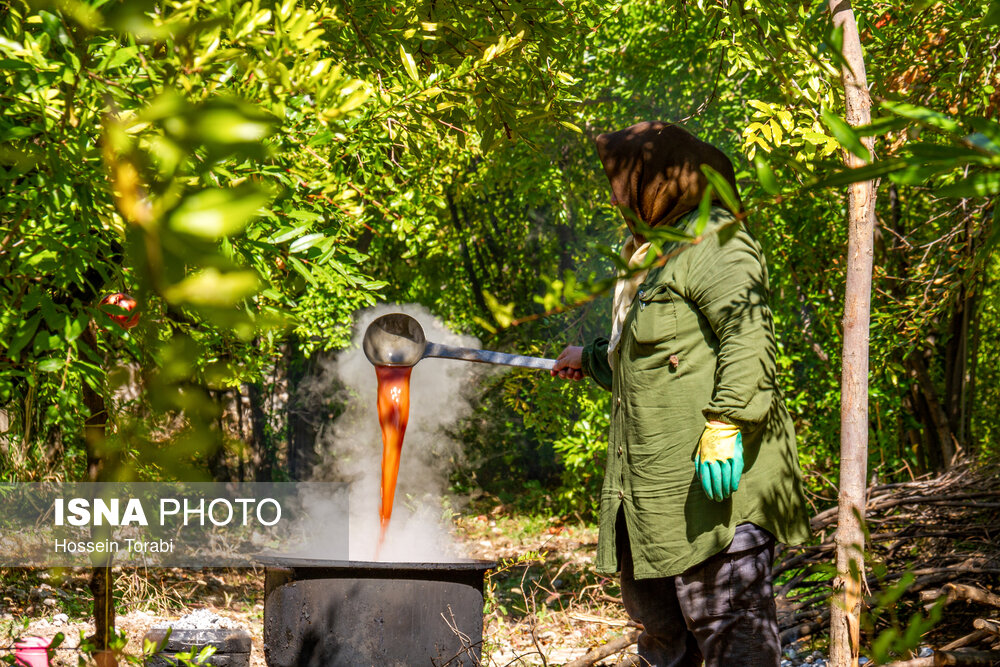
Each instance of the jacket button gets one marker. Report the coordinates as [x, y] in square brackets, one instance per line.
[674, 361]
[621, 494]
[619, 400]
[619, 450]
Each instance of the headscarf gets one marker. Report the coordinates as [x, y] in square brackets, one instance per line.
[655, 170]
[655, 173]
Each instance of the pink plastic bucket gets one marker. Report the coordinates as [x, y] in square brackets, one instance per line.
[31, 652]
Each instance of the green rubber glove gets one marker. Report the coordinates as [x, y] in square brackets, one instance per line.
[719, 461]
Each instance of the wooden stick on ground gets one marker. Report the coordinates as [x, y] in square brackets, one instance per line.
[967, 640]
[590, 618]
[953, 592]
[614, 646]
[966, 658]
[989, 626]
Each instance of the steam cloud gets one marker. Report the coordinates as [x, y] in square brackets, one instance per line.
[351, 449]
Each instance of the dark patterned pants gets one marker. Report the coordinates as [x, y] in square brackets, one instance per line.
[721, 611]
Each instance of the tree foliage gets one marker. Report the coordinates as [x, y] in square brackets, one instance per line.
[230, 164]
[255, 172]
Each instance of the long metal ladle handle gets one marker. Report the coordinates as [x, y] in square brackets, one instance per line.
[487, 356]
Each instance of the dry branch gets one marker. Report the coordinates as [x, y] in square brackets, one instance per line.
[590, 618]
[953, 592]
[967, 640]
[942, 530]
[968, 658]
[987, 626]
[614, 646]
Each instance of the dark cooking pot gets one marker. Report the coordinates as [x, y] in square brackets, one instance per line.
[321, 613]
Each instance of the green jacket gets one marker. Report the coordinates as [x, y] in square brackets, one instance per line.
[698, 344]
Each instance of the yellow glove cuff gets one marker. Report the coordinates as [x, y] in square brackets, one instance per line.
[718, 442]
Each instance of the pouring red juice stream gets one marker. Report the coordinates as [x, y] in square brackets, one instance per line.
[393, 413]
[393, 343]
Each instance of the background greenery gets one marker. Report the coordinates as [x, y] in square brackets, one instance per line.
[255, 172]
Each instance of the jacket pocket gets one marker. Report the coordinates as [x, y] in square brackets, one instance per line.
[655, 315]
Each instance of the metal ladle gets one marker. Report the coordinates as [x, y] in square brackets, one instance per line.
[398, 340]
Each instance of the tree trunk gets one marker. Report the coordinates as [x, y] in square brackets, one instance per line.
[301, 415]
[217, 466]
[241, 475]
[263, 455]
[470, 270]
[99, 470]
[847, 598]
[975, 336]
[941, 449]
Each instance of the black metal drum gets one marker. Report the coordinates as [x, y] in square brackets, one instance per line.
[353, 614]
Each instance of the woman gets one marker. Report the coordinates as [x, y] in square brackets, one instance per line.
[702, 473]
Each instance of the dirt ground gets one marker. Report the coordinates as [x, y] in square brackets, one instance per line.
[545, 604]
[43, 604]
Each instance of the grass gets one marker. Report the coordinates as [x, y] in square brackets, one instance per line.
[545, 602]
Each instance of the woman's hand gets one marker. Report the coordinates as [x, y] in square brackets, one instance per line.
[569, 364]
[719, 460]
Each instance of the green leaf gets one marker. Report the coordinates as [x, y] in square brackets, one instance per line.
[881, 126]
[892, 595]
[952, 155]
[765, 175]
[981, 184]
[992, 14]
[663, 233]
[217, 213]
[704, 210]
[837, 39]
[983, 142]
[987, 127]
[304, 243]
[18, 132]
[866, 173]
[916, 173]
[211, 287]
[303, 271]
[728, 231]
[924, 115]
[25, 332]
[74, 327]
[286, 234]
[834, 42]
[845, 135]
[882, 643]
[503, 313]
[8, 64]
[230, 126]
[305, 216]
[408, 64]
[50, 365]
[121, 56]
[722, 186]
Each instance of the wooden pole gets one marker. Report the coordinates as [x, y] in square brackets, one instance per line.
[848, 585]
[99, 469]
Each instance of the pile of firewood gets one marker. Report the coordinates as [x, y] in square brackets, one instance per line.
[939, 532]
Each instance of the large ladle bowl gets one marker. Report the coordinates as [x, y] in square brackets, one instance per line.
[398, 340]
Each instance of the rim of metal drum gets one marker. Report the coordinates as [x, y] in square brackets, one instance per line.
[472, 565]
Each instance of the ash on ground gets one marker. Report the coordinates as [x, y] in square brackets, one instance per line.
[202, 619]
[793, 656]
